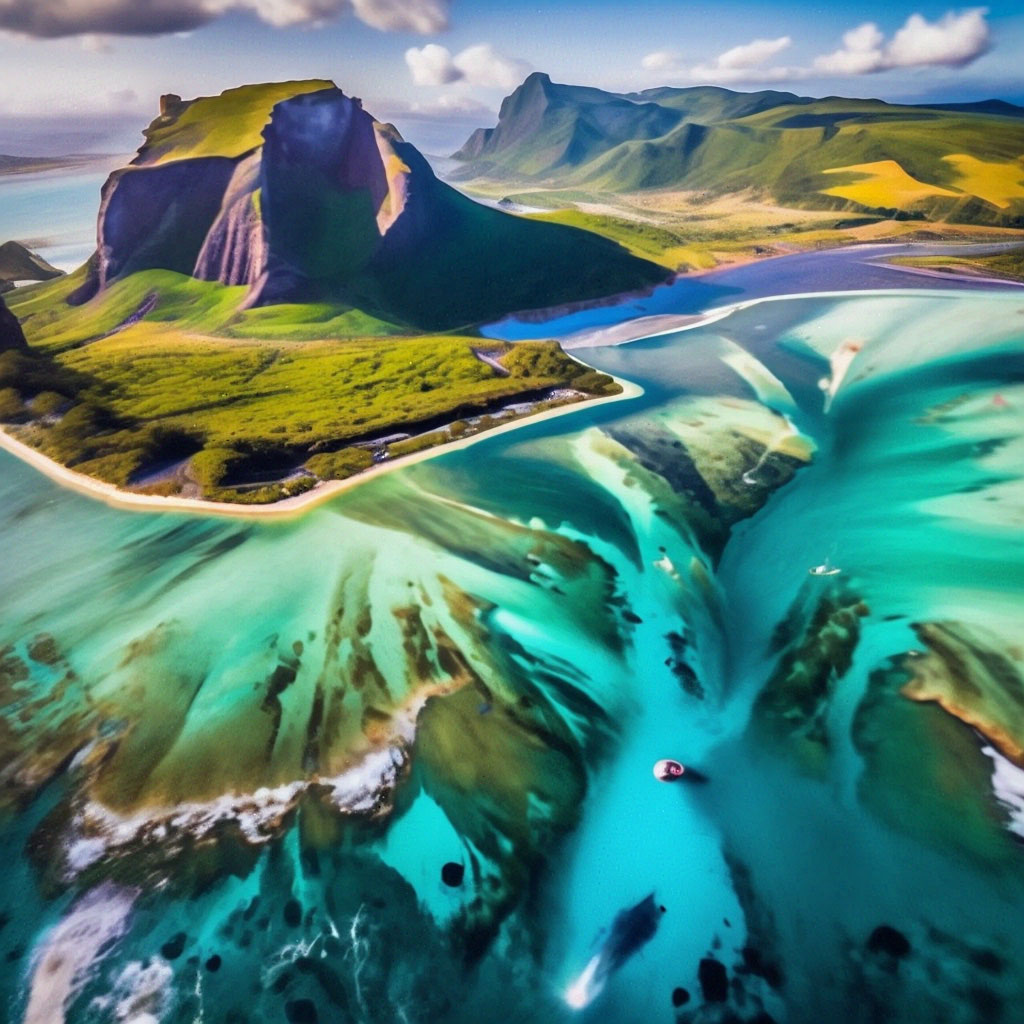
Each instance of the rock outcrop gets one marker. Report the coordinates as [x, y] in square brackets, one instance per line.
[327, 203]
[11, 334]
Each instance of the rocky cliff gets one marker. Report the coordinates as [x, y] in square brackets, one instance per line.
[312, 199]
[11, 335]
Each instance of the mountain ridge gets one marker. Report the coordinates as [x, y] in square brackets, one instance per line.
[297, 193]
[956, 162]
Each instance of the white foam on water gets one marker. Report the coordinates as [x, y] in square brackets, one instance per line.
[587, 987]
[1008, 786]
[142, 991]
[363, 788]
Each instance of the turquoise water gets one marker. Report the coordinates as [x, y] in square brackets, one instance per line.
[237, 754]
[54, 212]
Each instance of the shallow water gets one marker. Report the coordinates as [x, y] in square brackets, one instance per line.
[260, 742]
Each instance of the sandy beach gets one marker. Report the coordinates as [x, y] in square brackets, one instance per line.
[288, 508]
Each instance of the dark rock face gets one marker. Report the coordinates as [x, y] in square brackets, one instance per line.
[301, 214]
[334, 206]
[235, 249]
[886, 939]
[11, 334]
[324, 188]
[159, 217]
[714, 981]
[452, 874]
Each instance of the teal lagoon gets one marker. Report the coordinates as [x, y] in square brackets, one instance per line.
[237, 754]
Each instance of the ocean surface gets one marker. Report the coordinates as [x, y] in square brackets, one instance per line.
[237, 755]
[54, 212]
[391, 761]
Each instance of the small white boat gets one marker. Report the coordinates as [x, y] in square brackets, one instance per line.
[668, 770]
[824, 570]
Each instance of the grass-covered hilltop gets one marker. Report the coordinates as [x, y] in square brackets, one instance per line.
[694, 176]
[283, 293]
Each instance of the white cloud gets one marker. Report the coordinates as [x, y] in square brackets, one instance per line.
[953, 41]
[480, 65]
[661, 60]
[741, 64]
[432, 65]
[50, 19]
[423, 16]
[860, 54]
[751, 55]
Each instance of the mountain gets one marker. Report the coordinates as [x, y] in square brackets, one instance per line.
[295, 192]
[543, 126]
[958, 162]
[18, 263]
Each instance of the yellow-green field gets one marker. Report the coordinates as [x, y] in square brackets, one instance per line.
[996, 183]
[882, 184]
[693, 231]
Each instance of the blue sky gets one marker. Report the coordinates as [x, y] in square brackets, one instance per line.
[422, 63]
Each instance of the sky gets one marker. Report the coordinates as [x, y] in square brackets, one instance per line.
[86, 75]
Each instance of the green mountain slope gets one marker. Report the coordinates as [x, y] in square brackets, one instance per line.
[963, 163]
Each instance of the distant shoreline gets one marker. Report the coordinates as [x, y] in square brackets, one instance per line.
[287, 508]
[658, 325]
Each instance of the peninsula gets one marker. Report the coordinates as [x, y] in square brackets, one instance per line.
[284, 294]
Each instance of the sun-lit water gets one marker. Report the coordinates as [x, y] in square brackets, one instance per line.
[237, 755]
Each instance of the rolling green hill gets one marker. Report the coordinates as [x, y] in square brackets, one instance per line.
[959, 163]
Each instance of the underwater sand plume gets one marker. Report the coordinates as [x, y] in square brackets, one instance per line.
[94, 922]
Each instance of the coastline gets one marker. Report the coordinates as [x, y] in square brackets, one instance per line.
[638, 329]
[657, 326]
[288, 508]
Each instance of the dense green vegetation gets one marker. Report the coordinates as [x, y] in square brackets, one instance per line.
[777, 144]
[340, 465]
[237, 418]
[667, 246]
